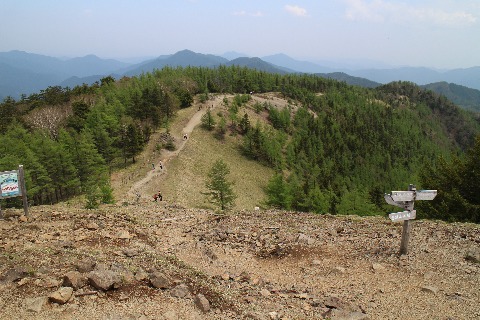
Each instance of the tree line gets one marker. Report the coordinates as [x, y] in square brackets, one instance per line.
[337, 152]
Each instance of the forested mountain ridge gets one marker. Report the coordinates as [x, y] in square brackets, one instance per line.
[462, 96]
[336, 149]
[26, 73]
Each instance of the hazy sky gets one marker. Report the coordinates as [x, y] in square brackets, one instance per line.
[432, 33]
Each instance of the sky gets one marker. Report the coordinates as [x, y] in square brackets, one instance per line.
[442, 34]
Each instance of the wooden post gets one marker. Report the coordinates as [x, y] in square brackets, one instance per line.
[407, 226]
[21, 182]
[405, 237]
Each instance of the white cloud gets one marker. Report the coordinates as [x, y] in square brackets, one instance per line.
[296, 10]
[251, 14]
[383, 10]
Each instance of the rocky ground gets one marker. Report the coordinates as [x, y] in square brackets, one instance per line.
[159, 261]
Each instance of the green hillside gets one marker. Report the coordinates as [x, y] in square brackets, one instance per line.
[315, 145]
[460, 95]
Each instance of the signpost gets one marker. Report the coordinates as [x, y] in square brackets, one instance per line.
[12, 184]
[406, 200]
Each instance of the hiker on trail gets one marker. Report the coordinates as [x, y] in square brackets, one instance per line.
[137, 194]
[185, 137]
[159, 196]
[161, 165]
[153, 166]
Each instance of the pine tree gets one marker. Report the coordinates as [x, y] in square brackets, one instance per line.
[220, 190]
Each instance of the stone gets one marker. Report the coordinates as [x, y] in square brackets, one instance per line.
[337, 303]
[316, 262]
[130, 252]
[304, 239]
[141, 275]
[202, 303]
[74, 279]
[273, 315]
[160, 280]
[123, 234]
[105, 280]
[473, 255]
[339, 270]
[377, 267]
[23, 218]
[265, 293]
[170, 315]
[61, 296]
[14, 274]
[339, 314]
[92, 226]
[430, 289]
[85, 265]
[35, 304]
[180, 291]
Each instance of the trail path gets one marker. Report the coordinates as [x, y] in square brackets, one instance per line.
[194, 121]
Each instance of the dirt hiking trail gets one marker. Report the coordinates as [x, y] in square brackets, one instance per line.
[160, 168]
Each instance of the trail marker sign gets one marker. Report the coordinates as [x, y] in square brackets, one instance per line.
[406, 200]
[12, 184]
[402, 216]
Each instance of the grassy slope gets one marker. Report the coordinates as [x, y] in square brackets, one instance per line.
[184, 178]
[186, 174]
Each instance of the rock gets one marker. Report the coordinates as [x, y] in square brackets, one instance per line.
[61, 296]
[339, 270]
[170, 315]
[377, 267]
[337, 303]
[202, 303]
[339, 314]
[265, 293]
[92, 226]
[86, 265]
[243, 277]
[105, 280]
[35, 304]
[473, 255]
[160, 280]
[210, 254]
[273, 315]
[74, 279]
[180, 291]
[225, 276]
[130, 252]
[23, 218]
[123, 234]
[430, 289]
[14, 274]
[304, 239]
[141, 275]
[316, 262]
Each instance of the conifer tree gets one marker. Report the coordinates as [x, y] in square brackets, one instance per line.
[220, 191]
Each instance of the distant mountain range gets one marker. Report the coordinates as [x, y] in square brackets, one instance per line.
[26, 73]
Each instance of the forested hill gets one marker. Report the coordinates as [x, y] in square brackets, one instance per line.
[336, 148]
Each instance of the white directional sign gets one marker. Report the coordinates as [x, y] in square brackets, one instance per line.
[425, 194]
[404, 215]
[406, 200]
[403, 195]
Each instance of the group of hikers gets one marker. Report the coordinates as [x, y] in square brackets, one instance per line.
[158, 196]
